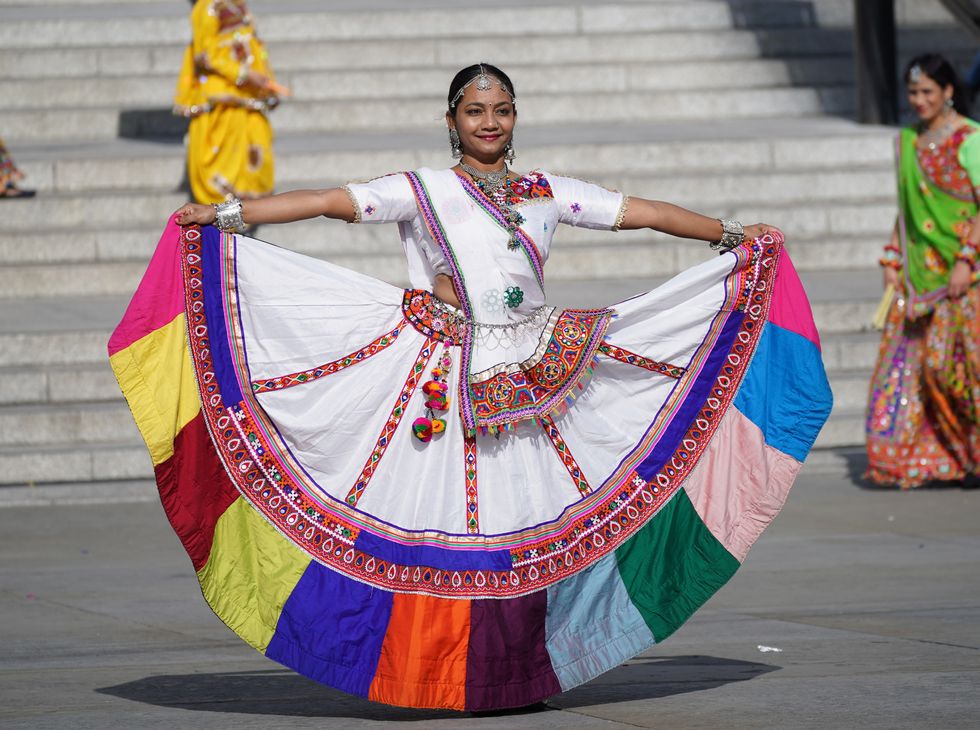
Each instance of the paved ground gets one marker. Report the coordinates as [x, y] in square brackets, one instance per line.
[868, 600]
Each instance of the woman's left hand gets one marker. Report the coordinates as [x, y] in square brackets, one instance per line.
[758, 229]
[959, 280]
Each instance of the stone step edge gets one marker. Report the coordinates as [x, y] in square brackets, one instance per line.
[868, 298]
[840, 377]
[632, 237]
[105, 330]
[289, 77]
[123, 193]
[776, 129]
[439, 102]
[169, 150]
[81, 408]
[123, 491]
[839, 461]
[119, 404]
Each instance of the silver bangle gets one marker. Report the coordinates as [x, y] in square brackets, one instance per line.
[732, 235]
[228, 216]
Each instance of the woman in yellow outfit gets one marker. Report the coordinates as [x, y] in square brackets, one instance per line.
[227, 89]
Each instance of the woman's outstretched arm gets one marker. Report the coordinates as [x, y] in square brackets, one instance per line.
[295, 205]
[680, 222]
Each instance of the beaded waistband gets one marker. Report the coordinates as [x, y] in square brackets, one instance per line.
[436, 319]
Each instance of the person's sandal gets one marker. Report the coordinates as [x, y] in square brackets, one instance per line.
[14, 192]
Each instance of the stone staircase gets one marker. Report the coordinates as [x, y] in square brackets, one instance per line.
[731, 108]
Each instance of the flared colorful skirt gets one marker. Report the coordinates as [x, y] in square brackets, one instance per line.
[923, 422]
[481, 569]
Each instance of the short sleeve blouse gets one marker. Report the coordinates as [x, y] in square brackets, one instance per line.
[586, 204]
[969, 158]
[387, 199]
[390, 199]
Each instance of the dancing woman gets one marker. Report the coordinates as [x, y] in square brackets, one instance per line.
[226, 89]
[456, 495]
[925, 394]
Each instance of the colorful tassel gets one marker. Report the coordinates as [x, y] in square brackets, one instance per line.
[422, 429]
[436, 392]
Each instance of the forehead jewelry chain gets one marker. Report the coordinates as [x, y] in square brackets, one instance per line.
[484, 82]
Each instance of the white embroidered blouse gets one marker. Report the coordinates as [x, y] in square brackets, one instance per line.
[477, 239]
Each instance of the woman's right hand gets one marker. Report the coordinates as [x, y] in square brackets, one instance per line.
[891, 278]
[194, 213]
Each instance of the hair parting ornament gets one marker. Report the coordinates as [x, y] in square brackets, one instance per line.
[484, 82]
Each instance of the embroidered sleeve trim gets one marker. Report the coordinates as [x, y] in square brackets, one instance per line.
[358, 216]
[621, 215]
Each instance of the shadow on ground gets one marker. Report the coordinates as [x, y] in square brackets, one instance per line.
[649, 678]
[283, 693]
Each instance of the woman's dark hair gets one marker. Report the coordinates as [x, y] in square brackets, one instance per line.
[940, 70]
[469, 73]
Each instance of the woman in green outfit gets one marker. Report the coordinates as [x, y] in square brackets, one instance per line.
[924, 412]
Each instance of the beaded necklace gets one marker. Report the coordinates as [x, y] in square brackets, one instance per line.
[493, 184]
[932, 138]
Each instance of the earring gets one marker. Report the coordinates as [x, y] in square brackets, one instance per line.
[456, 149]
[949, 105]
[509, 153]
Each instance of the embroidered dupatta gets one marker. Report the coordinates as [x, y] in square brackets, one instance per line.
[937, 205]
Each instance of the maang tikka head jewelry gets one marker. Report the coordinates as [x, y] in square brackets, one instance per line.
[484, 82]
[915, 74]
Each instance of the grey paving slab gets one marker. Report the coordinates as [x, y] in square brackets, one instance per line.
[865, 600]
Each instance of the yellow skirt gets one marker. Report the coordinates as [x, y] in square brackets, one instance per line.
[229, 153]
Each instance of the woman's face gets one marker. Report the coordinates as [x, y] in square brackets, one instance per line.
[928, 98]
[485, 122]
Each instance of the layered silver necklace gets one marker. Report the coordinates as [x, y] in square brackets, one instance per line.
[491, 185]
[489, 181]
